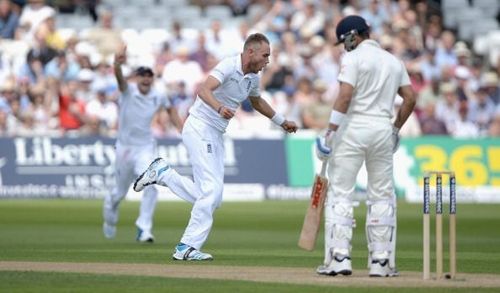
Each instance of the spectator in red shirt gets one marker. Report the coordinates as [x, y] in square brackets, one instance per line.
[71, 110]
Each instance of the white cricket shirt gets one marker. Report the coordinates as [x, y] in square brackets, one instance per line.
[235, 87]
[376, 76]
[136, 112]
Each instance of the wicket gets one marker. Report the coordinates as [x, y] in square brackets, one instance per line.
[439, 225]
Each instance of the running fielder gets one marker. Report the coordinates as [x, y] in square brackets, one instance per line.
[135, 146]
[360, 130]
[230, 83]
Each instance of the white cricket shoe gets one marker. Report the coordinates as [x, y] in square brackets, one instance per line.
[144, 236]
[186, 252]
[340, 265]
[381, 268]
[110, 215]
[150, 176]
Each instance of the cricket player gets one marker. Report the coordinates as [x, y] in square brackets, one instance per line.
[360, 130]
[135, 145]
[232, 81]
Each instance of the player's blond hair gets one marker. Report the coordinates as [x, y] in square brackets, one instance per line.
[255, 40]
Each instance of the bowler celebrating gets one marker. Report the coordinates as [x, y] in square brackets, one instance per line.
[230, 83]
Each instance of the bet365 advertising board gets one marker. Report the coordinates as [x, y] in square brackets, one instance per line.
[475, 162]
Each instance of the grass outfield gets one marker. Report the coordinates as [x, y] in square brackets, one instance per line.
[244, 234]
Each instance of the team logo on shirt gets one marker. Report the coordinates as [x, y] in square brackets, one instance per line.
[249, 85]
[209, 148]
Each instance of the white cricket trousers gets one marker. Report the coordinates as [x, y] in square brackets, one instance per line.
[362, 139]
[130, 162]
[205, 146]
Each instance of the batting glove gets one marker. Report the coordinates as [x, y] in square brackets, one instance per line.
[395, 139]
[324, 145]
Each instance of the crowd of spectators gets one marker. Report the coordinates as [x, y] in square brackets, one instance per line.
[57, 83]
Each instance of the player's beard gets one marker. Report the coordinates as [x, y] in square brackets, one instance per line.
[258, 67]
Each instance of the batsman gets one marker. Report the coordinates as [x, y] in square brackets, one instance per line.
[360, 130]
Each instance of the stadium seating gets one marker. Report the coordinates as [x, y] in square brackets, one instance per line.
[489, 8]
[218, 12]
[451, 10]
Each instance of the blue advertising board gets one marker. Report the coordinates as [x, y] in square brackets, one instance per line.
[44, 167]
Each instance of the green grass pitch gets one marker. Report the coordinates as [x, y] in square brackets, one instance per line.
[244, 234]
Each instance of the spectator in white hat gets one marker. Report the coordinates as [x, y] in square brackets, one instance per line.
[84, 91]
[462, 75]
[33, 14]
[489, 80]
[463, 53]
[447, 106]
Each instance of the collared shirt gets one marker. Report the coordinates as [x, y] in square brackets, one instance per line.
[136, 111]
[235, 87]
[376, 76]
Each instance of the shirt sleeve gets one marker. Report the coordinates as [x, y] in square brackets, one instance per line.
[222, 70]
[255, 89]
[348, 70]
[405, 78]
[127, 93]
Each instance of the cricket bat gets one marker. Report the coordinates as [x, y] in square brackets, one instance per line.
[314, 212]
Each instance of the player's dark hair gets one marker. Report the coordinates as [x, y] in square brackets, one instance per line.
[256, 38]
[143, 71]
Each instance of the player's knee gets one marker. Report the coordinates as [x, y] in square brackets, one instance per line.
[212, 194]
[339, 214]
